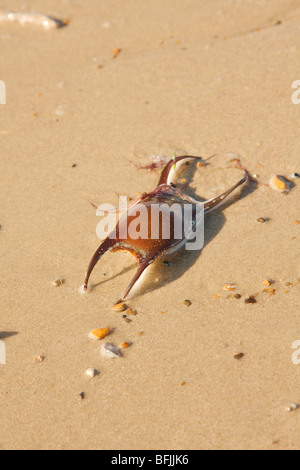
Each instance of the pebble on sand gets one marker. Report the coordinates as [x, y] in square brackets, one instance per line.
[238, 356]
[109, 350]
[124, 345]
[99, 333]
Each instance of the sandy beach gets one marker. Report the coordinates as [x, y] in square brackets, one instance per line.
[86, 104]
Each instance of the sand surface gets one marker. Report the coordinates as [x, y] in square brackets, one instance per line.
[196, 77]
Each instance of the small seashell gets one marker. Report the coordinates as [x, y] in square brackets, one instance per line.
[57, 282]
[36, 19]
[280, 183]
[261, 220]
[188, 303]
[38, 359]
[251, 300]
[267, 283]
[84, 291]
[91, 373]
[99, 333]
[237, 296]
[201, 164]
[295, 175]
[109, 350]
[124, 345]
[292, 407]
[229, 287]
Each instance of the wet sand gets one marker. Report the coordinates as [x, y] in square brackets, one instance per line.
[196, 77]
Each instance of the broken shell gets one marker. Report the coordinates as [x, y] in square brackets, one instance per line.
[99, 333]
[129, 311]
[229, 287]
[251, 300]
[109, 350]
[57, 282]
[280, 183]
[267, 283]
[38, 359]
[119, 307]
[292, 407]
[188, 303]
[91, 373]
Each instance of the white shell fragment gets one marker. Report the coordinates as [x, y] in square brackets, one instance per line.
[292, 407]
[109, 350]
[84, 291]
[36, 19]
[91, 373]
